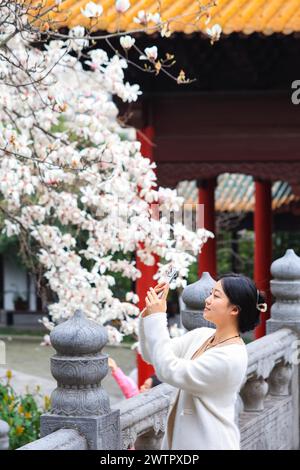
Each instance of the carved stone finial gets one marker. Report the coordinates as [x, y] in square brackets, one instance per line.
[78, 336]
[79, 367]
[287, 267]
[194, 296]
[285, 287]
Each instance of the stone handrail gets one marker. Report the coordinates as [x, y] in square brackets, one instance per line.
[265, 352]
[63, 439]
[269, 368]
[139, 415]
[269, 371]
[268, 407]
[144, 417]
[269, 418]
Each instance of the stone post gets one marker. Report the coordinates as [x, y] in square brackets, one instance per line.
[4, 438]
[149, 440]
[79, 402]
[285, 287]
[194, 297]
[285, 313]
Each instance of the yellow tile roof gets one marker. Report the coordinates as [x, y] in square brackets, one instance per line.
[245, 16]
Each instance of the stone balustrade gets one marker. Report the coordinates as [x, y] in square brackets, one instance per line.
[269, 368]
[143, 417]
[268, 393]
[267, 410]
[63, 439]
[269, 415]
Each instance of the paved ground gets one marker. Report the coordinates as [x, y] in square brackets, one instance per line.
[30, 363]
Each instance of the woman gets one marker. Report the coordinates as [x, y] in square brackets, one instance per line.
[207, 365]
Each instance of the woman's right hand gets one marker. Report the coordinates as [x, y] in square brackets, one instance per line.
[158, 288]
[157, 303]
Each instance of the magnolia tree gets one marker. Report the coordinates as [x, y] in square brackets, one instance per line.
[44, 19]
[74, 186]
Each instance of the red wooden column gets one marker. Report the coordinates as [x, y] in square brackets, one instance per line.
[208, 257]
[263, 246]
[146, 280]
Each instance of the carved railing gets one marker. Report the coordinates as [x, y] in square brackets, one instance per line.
[267, 410]
[63, 439]
[268, 390]
[269, 398]
[143, 417]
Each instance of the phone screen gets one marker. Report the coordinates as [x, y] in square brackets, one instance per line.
[169, 278]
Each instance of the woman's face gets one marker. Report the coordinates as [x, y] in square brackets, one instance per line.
[218, 309]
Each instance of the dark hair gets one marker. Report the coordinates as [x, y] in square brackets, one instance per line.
[242, 292]
[155, 381]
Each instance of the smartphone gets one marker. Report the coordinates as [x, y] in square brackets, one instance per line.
[170, 276]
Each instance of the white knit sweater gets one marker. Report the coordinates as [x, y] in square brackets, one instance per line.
[203, 417]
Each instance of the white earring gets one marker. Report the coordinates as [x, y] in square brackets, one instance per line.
[262, 307]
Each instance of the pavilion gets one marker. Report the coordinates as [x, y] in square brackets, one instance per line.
[236, 118]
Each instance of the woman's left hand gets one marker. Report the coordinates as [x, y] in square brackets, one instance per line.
[155, 304]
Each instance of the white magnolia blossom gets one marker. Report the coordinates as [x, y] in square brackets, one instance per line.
[77, 39]
[132, 297]
[47, 323]
[155, 17]
[150, 53]
[127, 42]
[142, 17]
[214, 32]
[92, 10]
[122, 5]
[77, 186]
[114, 336]
[99, 58]
[46, 341]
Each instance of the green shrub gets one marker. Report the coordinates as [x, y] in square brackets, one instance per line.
[22, 413]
